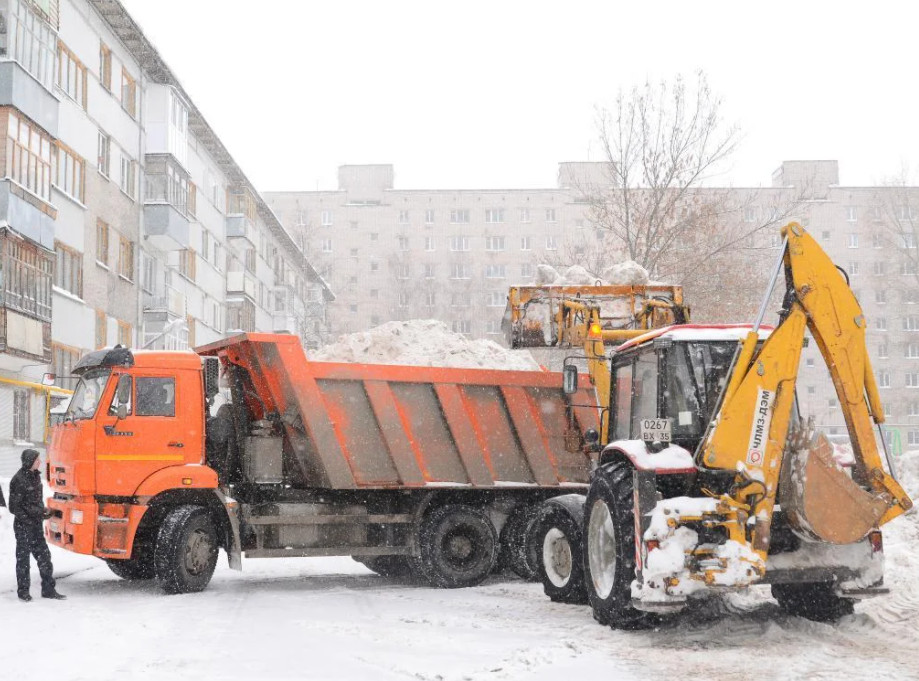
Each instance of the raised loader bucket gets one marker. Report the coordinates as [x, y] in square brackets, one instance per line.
[821, 501]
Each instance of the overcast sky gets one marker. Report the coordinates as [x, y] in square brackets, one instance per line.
[494, 94]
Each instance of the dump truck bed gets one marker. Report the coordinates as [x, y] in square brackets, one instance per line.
[360, 426]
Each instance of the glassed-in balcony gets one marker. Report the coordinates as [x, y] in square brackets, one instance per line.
[165, 204]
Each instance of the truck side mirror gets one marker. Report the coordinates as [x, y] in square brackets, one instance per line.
[569, 379]
[121, 412]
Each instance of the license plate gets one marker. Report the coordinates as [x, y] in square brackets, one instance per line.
[655, 430]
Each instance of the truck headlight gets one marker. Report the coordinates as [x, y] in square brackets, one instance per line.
[76, 517]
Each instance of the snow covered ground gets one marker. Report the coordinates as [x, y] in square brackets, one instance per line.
[333, 619]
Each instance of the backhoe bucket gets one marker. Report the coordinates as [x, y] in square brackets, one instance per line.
[821, 501]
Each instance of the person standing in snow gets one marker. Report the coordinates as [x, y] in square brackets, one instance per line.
[2, 500]
[26, 504]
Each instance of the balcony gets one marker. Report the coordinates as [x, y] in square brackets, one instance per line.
[282, 322]
[241, 227]
[173, 302]
[27, 214]
[20, 90]
[165, 228]
[241, 283]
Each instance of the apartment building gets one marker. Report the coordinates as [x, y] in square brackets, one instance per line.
[125, 219]
[451, 255]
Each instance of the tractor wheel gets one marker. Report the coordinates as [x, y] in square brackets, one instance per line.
[609, 556]
[815, 601]
[458, 546]
[557, 532]
[518, 552]
[186, 550]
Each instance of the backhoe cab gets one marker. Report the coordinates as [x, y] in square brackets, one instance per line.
[710, 479]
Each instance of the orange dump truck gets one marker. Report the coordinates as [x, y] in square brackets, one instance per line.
[245, 445]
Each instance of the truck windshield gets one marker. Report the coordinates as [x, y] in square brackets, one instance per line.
[696, 373]
[87, 394]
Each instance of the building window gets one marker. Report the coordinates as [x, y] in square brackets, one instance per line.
[128, 93]
[374, 293]
[326, 245]
[880, 323]
[825, 235]
[71, 75]
[403, 217]
[101, 329]
[430, 299]
[429, 216]
[912, 379]
[524, 215]
[353, 253]
[853, 269]
[22, 417]
[403, 243]
[883, 379]
[459, 271]
[374, 266]
[167, 182]
[459, 300]
[749, 214]
[429, 243]
[128, 182]
[833, 404]
[495, 271]
[68, 270]
[811, 390]
[494, 243]
[105, 66]
[124, 334]
[908, 240]
[551, 243]
[102, 241]
[374, 236]
[851, 214]
[550, 215]
[809, 362]
[880, 268]
[26, 282]
[912, 350]
[31, 39]
[192, 203]
[28, 155]
[494, 215]
[147, 273]
[493, 327]
[428, 271]
[880, 297]
[188, 262]
[912, 437]
[404, 271]
[913, 409]
[882, 351]
[403, 299]
[905, 213]
[326, 218]
[526, 243]
[877, 241]
[459, 216]
[496, 299]
[463, 326]
[911, 323]
[105, 150]
[62, 361]
[126, 258]
[68, 172]
[853, 240]
[240, 315]
[526, 270]
[911, 296]
[908, 268]
[459, 243]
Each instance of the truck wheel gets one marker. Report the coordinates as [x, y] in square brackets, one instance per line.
[517, 552]
[186, 550]
[388, 566]
[132, 569]
[815, 602]
[609, 556]
[458, 546]
[557, 532]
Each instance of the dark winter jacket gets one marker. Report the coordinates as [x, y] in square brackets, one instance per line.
[26, 491]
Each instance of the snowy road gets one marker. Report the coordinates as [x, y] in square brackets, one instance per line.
[332, 619]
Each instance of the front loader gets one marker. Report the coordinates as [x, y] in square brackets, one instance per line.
[708, 479]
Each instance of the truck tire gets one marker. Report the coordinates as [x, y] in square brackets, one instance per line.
[609, 548]
[813, 601]
[517, 552]
[132, 569]
[558, 532]
[458, 546]
[186, 550]
[388, 566]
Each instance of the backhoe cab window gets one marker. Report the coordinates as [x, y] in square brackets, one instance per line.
[156, 396]
[87, 395]
[634, 396]
[693, 380]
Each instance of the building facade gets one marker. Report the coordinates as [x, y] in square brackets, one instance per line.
[124, 217]
[452, 254]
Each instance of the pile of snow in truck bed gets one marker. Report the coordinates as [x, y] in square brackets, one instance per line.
[422, 342]
[626, 273]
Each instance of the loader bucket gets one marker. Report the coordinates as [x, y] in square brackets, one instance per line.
[821, 501]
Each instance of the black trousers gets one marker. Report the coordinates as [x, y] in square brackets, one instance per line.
[31, 540]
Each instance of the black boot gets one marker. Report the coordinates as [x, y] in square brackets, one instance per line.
[54, 595]
[25, 597]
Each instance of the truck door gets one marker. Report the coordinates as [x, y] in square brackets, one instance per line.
[144, 427]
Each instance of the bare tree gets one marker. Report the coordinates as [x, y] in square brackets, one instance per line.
[896, 212]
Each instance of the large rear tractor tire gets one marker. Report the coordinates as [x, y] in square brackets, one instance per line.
[815, 602]
[186, 550]
[518, 553]
[557, 532]
[609, 555]
[458, 546]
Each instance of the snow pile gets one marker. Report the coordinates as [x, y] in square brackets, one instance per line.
[626, 273]
[422, 342]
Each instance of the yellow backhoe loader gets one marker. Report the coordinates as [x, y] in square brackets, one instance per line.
[708, 479]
